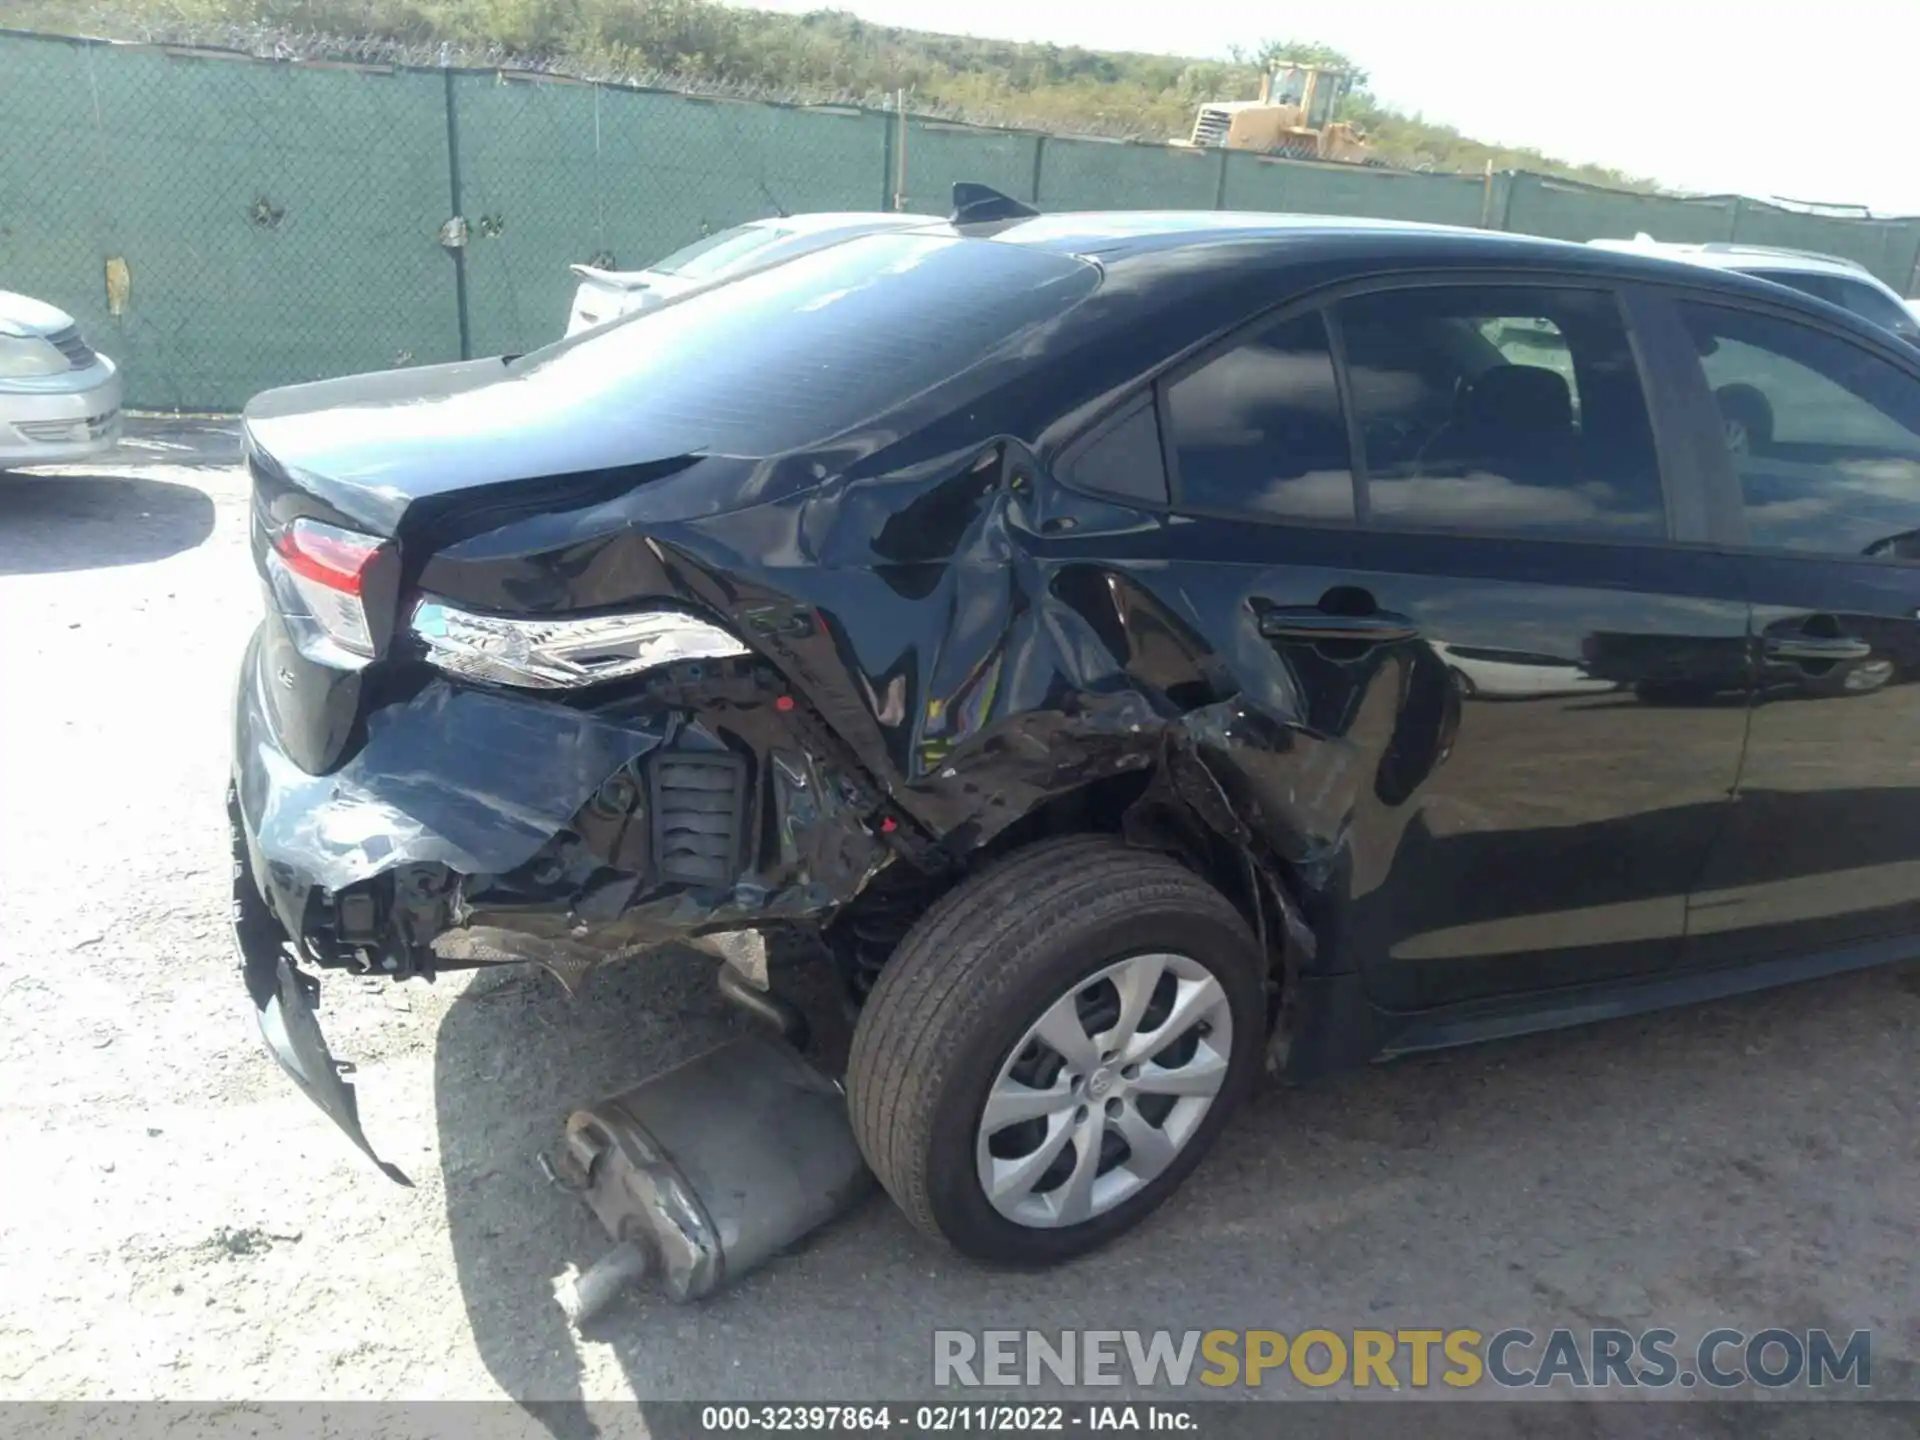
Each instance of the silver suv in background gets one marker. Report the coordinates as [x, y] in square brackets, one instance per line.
[1845, 283]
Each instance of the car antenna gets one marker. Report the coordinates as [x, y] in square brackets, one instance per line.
[983, 205]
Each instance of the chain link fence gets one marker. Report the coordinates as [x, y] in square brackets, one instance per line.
[222, 223]
[215, 226]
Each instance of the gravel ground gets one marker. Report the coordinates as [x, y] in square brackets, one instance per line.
[183, 1224]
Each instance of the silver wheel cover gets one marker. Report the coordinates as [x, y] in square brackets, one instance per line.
[1078, 1120]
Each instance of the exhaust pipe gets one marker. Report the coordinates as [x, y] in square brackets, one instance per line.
[703, 1172]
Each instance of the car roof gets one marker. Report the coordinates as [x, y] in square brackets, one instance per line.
[841, 220]
[1132, 231]
[1743, 257]
[1204, 263]
[1264, 241]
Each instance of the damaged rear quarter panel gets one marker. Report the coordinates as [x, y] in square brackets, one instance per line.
[498, 811]
[980, 657]
[967, 638]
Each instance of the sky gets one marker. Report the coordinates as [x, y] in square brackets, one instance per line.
[1790, 99]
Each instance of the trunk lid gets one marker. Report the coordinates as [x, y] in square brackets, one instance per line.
[383, 451]
[417, 460]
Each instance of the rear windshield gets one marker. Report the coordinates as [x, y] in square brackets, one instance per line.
[786, 357]
[708, 257]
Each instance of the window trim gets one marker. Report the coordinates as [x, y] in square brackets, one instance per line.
[1343, 387]
[1694, 406]
[1323, 299]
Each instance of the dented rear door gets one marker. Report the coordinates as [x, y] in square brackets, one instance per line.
[1469, 762]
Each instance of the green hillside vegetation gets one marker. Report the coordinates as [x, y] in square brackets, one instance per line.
[823, 53]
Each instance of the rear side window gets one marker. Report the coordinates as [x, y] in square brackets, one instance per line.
[795, 354]
[1124, 460]
[1823, 434]
[1258, 430]
[1502, 408]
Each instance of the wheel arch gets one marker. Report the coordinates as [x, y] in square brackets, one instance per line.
[1174, 807]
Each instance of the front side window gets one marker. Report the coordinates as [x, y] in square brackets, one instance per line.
[1823, 434]
[1502, 408]
[1258, 430]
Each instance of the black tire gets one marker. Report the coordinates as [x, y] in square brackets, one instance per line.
[976, 971]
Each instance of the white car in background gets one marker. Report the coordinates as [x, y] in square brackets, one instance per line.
[58, 399]
[1845, 283]
[606, 295]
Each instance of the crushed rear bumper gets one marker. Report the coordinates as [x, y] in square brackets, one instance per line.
[472, 825]
[284, 998]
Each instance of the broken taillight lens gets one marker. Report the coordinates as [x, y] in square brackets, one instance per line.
[563, 652]
[317, 572]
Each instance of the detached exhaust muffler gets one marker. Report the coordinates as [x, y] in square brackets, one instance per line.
[703, 1172]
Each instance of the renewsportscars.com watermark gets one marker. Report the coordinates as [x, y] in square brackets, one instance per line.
[1459, 1359]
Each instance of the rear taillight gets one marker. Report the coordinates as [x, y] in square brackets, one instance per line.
[318, 574]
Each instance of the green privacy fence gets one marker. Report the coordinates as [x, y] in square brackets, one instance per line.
[221, 224]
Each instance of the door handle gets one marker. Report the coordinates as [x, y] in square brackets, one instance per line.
[1809, 648]
[1379, 628]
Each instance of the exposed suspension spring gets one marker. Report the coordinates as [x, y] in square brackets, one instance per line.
[865, 935]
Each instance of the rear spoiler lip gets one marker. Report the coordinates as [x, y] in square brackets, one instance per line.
[611, 279]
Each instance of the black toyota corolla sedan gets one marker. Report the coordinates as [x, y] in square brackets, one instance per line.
[1131, 650]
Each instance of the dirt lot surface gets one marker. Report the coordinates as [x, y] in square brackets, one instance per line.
[179, 1222]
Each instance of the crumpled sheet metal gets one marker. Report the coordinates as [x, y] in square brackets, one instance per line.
[507, 793]
[572, 894]
[988, 671]
[456, 777]
[957, 662]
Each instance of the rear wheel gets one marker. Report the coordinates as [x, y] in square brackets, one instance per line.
[1053, 1048]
